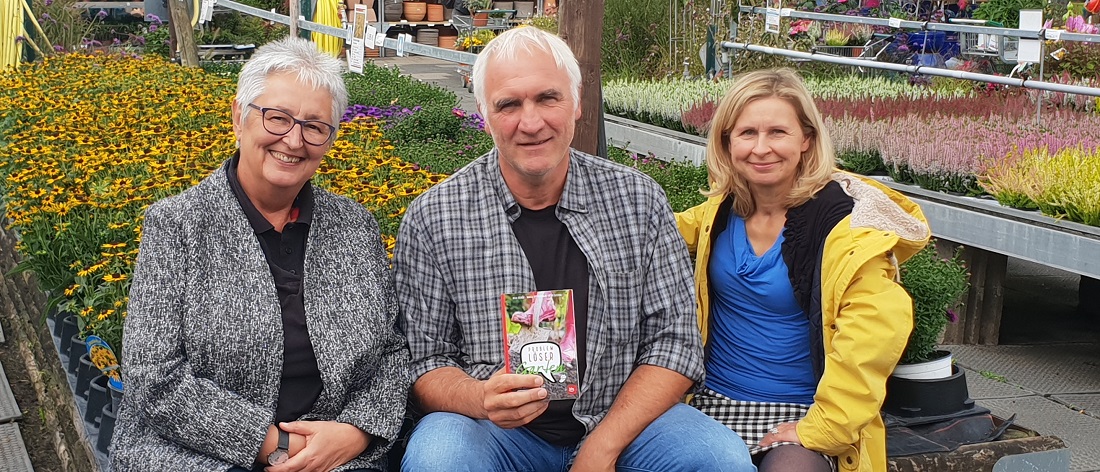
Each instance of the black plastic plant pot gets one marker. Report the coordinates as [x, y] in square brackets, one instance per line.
[106, 429]
[59, 322]
[76, 349]
[84, 375]
[927, 397]
[116, 396]
[97, 398]
[68, 329]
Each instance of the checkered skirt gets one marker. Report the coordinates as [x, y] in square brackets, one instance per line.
[750, 420]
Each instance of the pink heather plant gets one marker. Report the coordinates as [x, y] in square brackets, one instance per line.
[955, 150]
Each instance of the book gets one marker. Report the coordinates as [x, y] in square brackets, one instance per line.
[540, 338]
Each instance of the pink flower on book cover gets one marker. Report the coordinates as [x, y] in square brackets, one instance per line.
[542, 308]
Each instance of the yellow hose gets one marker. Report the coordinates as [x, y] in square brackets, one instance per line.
[11, 27]
[326, 14]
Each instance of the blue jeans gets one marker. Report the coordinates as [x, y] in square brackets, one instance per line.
[681, 439]
[240, 469]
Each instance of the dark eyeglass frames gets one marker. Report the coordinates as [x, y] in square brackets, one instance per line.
[280, 123]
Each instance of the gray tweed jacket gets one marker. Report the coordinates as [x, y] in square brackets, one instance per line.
[203, 337]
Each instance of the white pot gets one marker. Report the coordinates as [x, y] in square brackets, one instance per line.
[934, 369]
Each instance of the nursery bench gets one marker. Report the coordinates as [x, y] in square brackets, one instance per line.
[226, 51]
[1023, 450]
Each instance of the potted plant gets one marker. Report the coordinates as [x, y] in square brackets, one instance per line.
[859, 35]
[479, 11]
[925, 382]
[836, 37]
[935, 284]
[474, 40]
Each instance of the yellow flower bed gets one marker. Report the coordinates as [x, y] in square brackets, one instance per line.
[88, 142]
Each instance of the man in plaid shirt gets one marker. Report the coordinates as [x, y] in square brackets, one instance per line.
[534, 214]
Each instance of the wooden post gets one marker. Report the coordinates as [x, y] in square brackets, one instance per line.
[582, 29]
[980, 319]
[185, 33]
[295, 12]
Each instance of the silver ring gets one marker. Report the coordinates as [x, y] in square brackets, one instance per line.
[774, 431]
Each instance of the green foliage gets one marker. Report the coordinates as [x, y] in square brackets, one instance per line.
[444, 155]
[1081, 61]
[1006, 12]
[430, 122]
[862, 162]
[385, 86]
[229, 70]
[239, 28]
[543, 22]
[61, 22]
[935, 284]
[156, 41]
[681, 181]
[993, 376]
[633, 35]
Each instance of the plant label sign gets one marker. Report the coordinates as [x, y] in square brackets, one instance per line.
[771, 16]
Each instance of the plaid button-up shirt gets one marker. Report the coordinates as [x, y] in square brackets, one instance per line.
[456, 254]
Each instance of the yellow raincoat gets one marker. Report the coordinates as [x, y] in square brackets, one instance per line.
[866, 314]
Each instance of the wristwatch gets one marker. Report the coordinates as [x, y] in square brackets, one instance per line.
[281, 452]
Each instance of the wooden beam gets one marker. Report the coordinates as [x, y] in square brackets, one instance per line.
[185, 33]
[295, 12]
[582, 29]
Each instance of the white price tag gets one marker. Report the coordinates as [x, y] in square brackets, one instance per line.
[895, 22]
[1054, 34]
[771, 20]
[380, 40]
[785, 11]
[372, 31]
[205, 11]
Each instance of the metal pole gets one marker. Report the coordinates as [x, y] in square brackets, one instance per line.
[916, 69]
[1039, 102]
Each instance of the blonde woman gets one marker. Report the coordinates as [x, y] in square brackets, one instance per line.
[796, 278]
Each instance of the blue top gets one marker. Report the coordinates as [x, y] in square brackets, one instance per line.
[759, 346]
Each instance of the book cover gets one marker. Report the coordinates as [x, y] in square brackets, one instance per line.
[540, 338]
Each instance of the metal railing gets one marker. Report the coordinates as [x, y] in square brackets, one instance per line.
[390, 43]
[918, 69]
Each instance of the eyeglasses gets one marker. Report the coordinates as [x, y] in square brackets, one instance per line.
[280, 123]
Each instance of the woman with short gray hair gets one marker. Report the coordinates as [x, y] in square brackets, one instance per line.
[260, 333]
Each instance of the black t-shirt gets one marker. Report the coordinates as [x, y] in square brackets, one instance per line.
[557, 263]
[300, 384]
